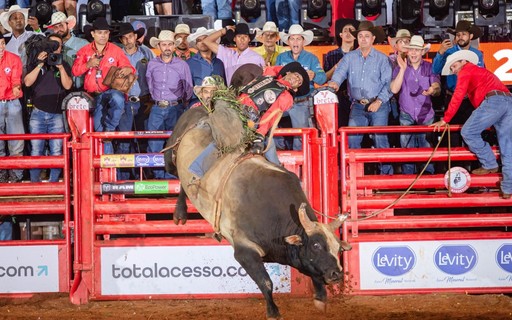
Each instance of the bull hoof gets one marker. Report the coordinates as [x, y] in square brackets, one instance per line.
[320, 305]
[180, 215]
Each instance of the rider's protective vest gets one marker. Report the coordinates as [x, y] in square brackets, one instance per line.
[264, 91]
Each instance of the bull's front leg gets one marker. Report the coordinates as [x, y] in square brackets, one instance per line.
[320, 297]
[251, 261]
[180, 213]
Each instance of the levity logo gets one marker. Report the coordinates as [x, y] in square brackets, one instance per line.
[504, 257]
[157, 271]
[23, 271]
[455, 259]
[394, 261]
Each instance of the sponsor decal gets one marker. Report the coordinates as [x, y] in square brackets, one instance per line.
[459, 178]
[455, 259]
[117, 161]
[118, 188]
[78, 103]
[153, 187]
[504, 257]
[142, 160]
[325, 97]
[394, 260]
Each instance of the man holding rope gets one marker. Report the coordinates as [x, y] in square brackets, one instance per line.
[493, 103]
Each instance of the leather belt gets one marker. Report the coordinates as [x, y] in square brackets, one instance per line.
[497, 93]
[133, 99]
[297, 100]
[4, 101]
[365, 101]
[166, 103]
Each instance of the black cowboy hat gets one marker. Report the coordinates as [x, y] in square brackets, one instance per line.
[241, 28]
[378, 32]
[100, 23]
[297, 67]
[465, 25]
[126, 27]
[340, 24]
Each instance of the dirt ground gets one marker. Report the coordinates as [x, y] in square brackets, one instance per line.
[424, 307]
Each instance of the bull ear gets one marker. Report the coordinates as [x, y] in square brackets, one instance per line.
[336, 224]
[308, 225]
[294, 240]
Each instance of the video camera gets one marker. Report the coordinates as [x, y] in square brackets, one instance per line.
[54, 59]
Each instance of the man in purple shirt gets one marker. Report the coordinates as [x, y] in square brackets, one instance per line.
[170, 84]
[233, 59]
[416, 83]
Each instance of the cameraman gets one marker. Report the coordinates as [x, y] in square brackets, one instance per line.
[50, 79]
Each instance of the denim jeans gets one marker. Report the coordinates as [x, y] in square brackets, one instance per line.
[124, 145]
[271, 11]
[44, 122]
[6, 230]
[162, 119]
[217, 9]
[289, 13]
[414, 140]
[361, 118]
[494, 111]
[11, 122]
[21, 3]
[110, 106]
[299, 115]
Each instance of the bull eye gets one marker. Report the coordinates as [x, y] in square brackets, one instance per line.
[317, 246]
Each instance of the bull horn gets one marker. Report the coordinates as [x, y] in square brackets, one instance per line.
[308, 225]
[336, 224]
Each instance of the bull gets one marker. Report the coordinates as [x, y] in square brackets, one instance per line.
[259, 208]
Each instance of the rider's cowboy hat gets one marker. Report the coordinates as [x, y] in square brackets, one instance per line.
[467, 55]
[297, 67]
[296, 29]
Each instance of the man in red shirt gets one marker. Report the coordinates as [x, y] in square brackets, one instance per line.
[493, 104]
[95, 60]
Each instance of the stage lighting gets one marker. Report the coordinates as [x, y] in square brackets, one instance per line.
[371, 10]
[89, 12]
[316, 9]
[43, 11]
[438, 13]
[252, 12]
[316, 15]
[407, 14]
[489, 12]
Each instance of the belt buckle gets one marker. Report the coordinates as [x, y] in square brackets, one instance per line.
[163, 104]
[364, 101]
[134, 99]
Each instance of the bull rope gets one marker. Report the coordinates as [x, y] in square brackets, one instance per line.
[279, 114]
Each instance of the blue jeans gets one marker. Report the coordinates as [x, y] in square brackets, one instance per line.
[289, 13]
[495, 111]
[21, 3]
[11, 122]
[44, 122]
[271, 11]
[414, 140]
[108, 113]
[162, 119]
[217, 9]
[124, 145]
[6, 230]
[299, 115]
[361, 118]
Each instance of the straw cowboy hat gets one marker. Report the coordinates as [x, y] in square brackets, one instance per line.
[202, 31]
[417, 42]
[465, 25]
[269, 26]
[165, 35]
[340, 24]
[208, 82]
[59, 17]
[296, 29]
[4, 16]
[467, 55]
[126, 28]
[400, 34]
[379, 34]
[182, 29]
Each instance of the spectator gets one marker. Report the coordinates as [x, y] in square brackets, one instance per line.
[217, 9]
[62, 25]
[205, 63]
[95, 60]
[233, 59]
[181, 32]
[205, 91]
[297, 39]
[15, 20]
[398, 44]
[415, 83]
[21, 3]
[65, 6]
[346, 42]
[50, 80]
[163, 7]
[269, 37]
[369, 75]
[11, 121]
[170, 84]
[493, 103]
[284, 12]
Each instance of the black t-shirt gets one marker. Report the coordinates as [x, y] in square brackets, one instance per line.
[47, 91]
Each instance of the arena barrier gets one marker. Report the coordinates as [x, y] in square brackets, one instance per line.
[430, 240]
[41, 262]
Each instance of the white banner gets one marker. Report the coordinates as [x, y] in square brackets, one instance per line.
[181, 270]
[435, 264]
[29, 269]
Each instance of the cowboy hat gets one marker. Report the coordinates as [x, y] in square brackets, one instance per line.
[241, 28]
[467, 55]
[59, 17]
[465, 25]
[400, 34]
[417, 42]
[296, 29]
[340, 24]
[182, 29]
[201, 31]
[379, 34]
[165, 35]
[4, 16]
[100, 23]
[245, 74]
[208, 82]
[126, 27]
[269, 26]
[297, 67]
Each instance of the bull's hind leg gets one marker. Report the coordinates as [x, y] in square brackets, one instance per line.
[251, 261]
[180, 213]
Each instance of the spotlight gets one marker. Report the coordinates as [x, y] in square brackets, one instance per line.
[489, 12]
[89, 12]
[438, 13]
[252, 12]
[316, 8]
[316, 15]
[371, 10]
[407, 14]
[43, 11]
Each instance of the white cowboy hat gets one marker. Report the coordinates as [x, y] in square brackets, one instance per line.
[207, 82]
[202, 31]
[296, 29]
[269, 26]
[467, 55]
[59, 17]
[4, 16]
[165, 35]
[417, 42]
[182, 29]
[400, 34]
